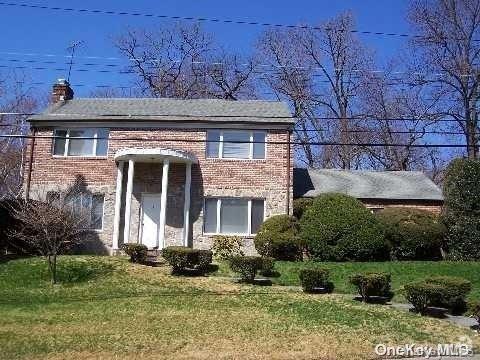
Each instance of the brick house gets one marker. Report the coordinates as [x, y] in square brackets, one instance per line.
[162, 171]
[375, 189]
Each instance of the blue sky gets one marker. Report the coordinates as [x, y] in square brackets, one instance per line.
[51, 32]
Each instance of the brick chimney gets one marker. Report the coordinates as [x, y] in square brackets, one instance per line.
[61, 91]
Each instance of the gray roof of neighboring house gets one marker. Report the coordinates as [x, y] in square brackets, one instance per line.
[162, 109]
[387, 185]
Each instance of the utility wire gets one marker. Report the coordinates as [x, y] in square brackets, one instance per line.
[413, 132]
[268, 67]
[200, 19]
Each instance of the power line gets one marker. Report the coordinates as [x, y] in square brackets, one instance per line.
[405, 132]
[214, 63]
[200, 19]
[314, 143]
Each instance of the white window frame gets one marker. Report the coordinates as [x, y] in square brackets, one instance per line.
[67, 143]
[91, 195]
[103, 211]
[219, 207]
[219, 155]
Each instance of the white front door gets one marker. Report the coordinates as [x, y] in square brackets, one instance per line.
[150, 219]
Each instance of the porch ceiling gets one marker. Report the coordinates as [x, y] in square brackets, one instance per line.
[155, 155]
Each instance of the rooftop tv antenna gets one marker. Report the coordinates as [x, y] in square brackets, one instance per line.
[72, 48]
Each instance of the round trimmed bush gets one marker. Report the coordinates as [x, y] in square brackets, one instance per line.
[246, 266]
[268, 266]
[314, 280]
[278, 238]
[338, 227]
[137, 252]
[412, 234]
[440, 291]
[462, 209]
[182, 258]
[372, 284]
[300, 205]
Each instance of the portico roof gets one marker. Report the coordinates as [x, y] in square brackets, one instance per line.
[155, 155]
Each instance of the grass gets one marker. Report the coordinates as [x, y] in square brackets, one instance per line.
[105, 307]
[402, 273]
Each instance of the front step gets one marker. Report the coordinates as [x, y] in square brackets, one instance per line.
[154, 257]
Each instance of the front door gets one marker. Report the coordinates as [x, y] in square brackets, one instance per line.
[150, 219]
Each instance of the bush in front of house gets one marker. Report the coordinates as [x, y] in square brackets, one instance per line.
[246, 266]
[412, 234]
[278, 238]
[137, 252]
[474, 311]
[300, 205]
[338, 227]
[182, 258]
[315, 280]
[372, 285]
[225, 246]
[439, 291]
[462, 209]
[268, 266]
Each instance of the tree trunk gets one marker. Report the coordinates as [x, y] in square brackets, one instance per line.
[52, 267]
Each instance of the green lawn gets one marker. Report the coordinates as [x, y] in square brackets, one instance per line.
[402, 272]
[107, 308]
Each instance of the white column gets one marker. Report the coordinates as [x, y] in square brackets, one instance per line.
[128, 201]
[118, 205]
[186, 204]
[163, 204]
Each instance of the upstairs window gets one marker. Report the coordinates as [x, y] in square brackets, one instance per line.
[80, 142]
[236, 144]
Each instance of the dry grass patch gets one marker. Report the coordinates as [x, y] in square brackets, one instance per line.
[142, 312]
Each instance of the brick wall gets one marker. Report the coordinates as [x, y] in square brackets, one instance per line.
[266, 178]
[432, 206]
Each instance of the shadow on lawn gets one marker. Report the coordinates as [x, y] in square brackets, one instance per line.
[71, 272]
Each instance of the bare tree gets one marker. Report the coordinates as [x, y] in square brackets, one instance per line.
[320, 73]
[51, 225]
[182, 61]
[446, 43]
[15, 100]
[396, 116]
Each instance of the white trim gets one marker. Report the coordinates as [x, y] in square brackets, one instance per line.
[118, 205]
[219, 205]
[163, 204]
[140, 230]
[219, 212]
[186, 203]
[159, 124]
[158, 154]
[128, 202]
[67, 142]
[250, 157]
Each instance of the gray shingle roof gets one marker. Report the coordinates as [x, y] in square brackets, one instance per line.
[167, 110]
[387, 185]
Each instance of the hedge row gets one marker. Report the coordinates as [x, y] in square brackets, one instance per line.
[336, 227]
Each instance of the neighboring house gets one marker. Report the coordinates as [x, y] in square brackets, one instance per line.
[376, 189]
[162, 171]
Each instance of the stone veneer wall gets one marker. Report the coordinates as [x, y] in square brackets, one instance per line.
[266, 178]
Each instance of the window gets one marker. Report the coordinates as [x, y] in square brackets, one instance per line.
[233, 215]
[80, 142]
[236, 144]
[90, 204]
